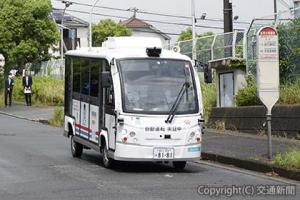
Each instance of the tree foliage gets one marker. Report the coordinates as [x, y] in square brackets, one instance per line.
[26, 30]
[108, 28]
[289, 40]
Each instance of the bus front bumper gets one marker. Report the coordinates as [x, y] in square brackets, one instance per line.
[131, 152]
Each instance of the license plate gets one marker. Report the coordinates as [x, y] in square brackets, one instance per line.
[163, 153]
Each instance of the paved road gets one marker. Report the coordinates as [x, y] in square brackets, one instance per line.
[35, 163]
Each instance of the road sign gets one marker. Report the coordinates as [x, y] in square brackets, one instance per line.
[267, 73]
[268, 67]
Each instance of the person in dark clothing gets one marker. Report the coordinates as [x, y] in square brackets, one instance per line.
[9, 85]
[27, 84]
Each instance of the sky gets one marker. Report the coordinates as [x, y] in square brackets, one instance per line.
[246, 10]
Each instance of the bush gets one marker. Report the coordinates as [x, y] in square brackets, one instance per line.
[247, 96]
[45, 91]
[289, 94]
[58, 117]
[289, 160]
[209, 96]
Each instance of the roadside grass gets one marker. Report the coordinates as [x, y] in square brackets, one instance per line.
[290, 93]
[288, 160]
[46, 91]
[1, 99]
[58, 117]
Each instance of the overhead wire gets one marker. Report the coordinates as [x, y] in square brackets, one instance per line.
[150, 13]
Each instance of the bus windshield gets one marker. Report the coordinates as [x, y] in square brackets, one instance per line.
[151, 86]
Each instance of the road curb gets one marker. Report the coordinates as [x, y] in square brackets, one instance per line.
[252, 165]
[42, 121]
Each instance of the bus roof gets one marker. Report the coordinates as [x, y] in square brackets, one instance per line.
[125, 47]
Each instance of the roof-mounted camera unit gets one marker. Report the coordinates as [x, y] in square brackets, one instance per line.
[153, 52]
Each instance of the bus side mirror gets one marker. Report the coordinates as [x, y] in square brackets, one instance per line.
[106, 79]
[207, 73]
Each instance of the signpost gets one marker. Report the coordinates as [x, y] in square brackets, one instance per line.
[267, 73]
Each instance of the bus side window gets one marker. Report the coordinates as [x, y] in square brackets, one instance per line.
[85, 77]
[76, 75]
[94, 78]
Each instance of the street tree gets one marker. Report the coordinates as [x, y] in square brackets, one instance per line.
[108, 28]
[26, 31]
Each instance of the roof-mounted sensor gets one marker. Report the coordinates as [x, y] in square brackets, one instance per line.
[153, 52]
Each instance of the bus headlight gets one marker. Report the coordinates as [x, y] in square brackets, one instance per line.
[132, 134]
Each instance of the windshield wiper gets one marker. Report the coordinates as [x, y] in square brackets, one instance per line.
[183, 89]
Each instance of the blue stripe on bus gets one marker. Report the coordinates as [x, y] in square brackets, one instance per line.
[82, 132]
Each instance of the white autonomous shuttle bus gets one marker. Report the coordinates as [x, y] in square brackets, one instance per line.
[133, 101]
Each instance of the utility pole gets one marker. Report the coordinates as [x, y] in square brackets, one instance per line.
[134, 10]
[67, 4]
[194, 52]
[91, 23]
[275, 10]
[227, 16]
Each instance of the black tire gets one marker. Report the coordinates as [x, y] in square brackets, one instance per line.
[179, 165]
[76, 148]
[106, 160]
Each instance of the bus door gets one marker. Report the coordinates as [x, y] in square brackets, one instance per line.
[110, 116]
[85, 99]
[84, 117]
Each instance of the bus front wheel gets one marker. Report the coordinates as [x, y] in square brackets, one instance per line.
[179, 165]
[76, 148]
[106, 160]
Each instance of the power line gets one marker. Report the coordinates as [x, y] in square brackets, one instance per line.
[148, 20]
[151, 13]
[120, 17]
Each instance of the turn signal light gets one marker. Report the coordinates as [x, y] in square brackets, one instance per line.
[198, 139]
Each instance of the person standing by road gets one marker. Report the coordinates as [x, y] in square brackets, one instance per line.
[9, 84]
[27, 84]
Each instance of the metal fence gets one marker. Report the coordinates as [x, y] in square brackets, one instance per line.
[228, 45]
[289, 41]
[214, 47]
[53, 68]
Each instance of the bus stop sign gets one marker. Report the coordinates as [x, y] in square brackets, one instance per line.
[267, 73]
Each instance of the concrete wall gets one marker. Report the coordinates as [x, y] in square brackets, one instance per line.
[83, 34]
[285, 119]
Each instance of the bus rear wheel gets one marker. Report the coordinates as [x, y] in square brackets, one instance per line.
[106, 160]
[76, 148]
[179, 165]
